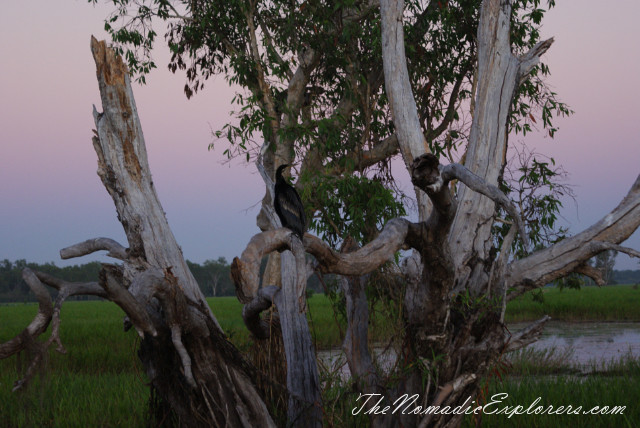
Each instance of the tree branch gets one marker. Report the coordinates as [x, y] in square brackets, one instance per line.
[47, 314]
[451, 387]
[368, 258]
[532, 58]
[527, 335]
[269, 40]
[245, 270]
[397, 83]
[251, 311]
[450, 113]
[72, 288]
[176, 338]
[384, 149]
[40, 321]
[592, 273]
[111, 280]
[263, 86]
[564, 257]
[477, 184]
[89, 246]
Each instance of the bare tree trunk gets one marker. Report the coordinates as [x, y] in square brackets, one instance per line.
[198, 378]
[303, 384]
[198, 374]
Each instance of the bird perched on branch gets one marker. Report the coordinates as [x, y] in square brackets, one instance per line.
[288, 205]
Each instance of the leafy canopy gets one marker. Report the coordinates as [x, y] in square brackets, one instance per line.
[310, 82]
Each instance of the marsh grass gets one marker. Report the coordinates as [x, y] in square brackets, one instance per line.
[536, 362]
[100, 383]
[611, 303]
[565, 390]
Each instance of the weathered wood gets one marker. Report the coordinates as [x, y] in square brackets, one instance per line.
[398, 88]
[124, 171]
[356, 340]
[499, 74]
[527, 335]
[40, 321]
[571, 253]
[252, 310]
[113, 248]
[304, 405]
[366, 259]
[303, 383]
[245, 270]
[201, 377]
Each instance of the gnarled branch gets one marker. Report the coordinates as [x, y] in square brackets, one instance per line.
[366, 259]
[40, 321]
[89, 246]
[591, 272]
[564, 257]
[111, 280]
[72, 288]
[251, 311]
[477, 184]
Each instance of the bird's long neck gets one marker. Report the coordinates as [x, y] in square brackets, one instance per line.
[279, 178]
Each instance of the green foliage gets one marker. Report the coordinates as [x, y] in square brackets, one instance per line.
[351, 205]
[572, 281]
[536, 185]
[344, 114]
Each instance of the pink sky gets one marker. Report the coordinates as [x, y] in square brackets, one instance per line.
[51, 196]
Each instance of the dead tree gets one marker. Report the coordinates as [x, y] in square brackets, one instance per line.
[457, 283]
[200, 377]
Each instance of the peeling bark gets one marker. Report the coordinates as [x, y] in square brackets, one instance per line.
[190, 364]
[201, 378]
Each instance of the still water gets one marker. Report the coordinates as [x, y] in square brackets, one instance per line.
[586, 343]
[591, 342]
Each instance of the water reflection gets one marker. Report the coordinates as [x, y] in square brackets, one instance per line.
[587, 343]
[591, 342]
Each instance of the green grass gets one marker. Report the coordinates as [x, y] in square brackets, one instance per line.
[612, 303]
[65, 398]
[587, 392]
[99, 382]
[327, 327]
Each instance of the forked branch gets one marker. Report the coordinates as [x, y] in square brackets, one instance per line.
[433, 178]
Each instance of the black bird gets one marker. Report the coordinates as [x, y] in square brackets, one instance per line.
[288, 205]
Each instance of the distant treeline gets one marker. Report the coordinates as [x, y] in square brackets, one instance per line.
[626, 276]
[213, 277]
